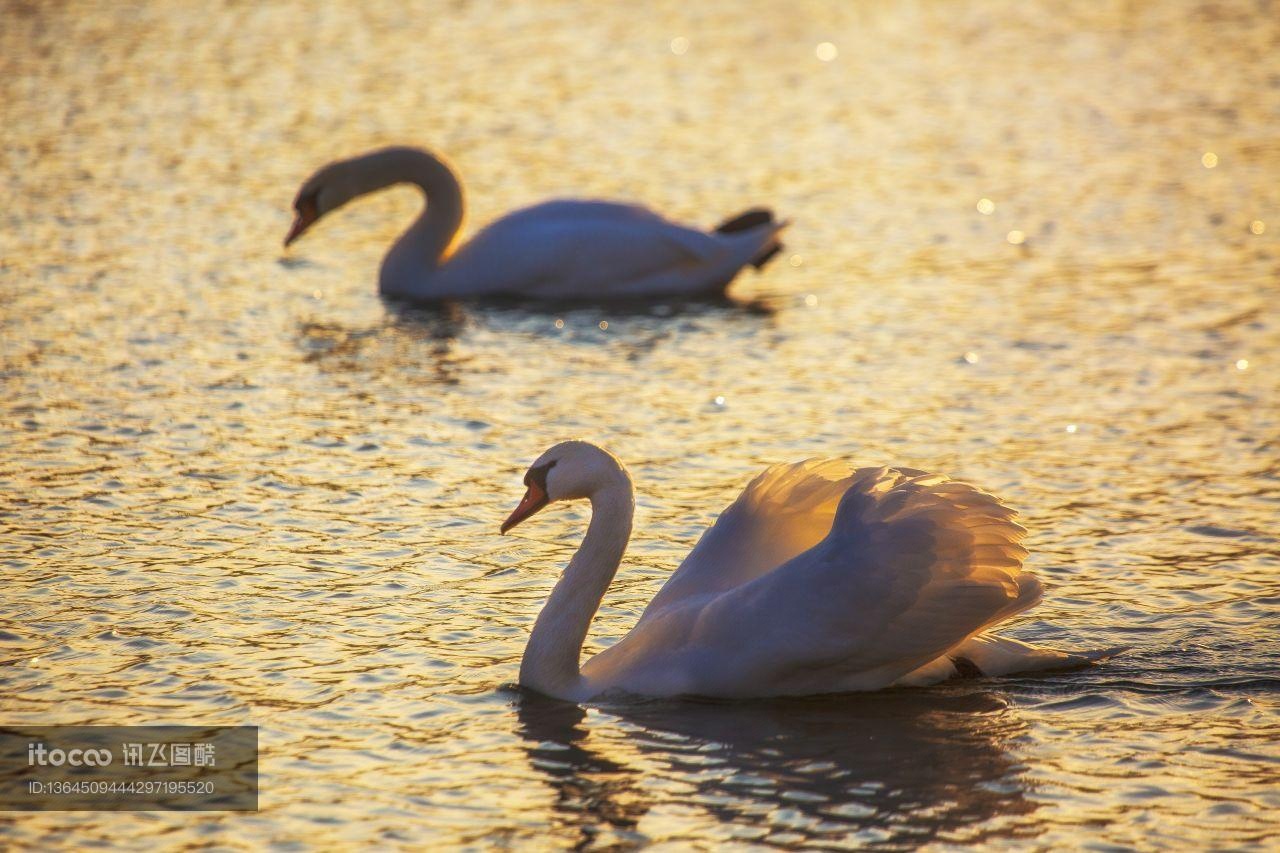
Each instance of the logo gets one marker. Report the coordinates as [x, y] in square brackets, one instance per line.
[40, 755]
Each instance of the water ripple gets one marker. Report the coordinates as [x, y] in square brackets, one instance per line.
[237, 487]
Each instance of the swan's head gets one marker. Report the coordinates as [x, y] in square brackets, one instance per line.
[327, 190]
[569, 471]
[339, 182]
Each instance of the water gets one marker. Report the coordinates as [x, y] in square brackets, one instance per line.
[239, 488]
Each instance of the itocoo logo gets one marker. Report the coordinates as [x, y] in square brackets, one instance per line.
[39, 754]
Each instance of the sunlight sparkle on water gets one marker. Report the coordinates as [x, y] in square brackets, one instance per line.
[327, 468]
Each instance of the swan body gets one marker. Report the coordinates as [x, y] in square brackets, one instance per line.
[817, 579]
[563, 249]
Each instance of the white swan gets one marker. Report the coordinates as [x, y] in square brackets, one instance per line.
[817, 579]
[565, 249]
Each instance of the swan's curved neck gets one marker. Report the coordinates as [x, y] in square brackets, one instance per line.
[551, 658]
[421, 249]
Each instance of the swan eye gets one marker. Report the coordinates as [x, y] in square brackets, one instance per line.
[537, 475]
[307, 205]
[307, 213]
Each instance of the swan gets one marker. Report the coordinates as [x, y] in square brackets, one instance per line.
[817, 579]
[561, 249]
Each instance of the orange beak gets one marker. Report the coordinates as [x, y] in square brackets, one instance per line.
[534, 499]
[306, 216]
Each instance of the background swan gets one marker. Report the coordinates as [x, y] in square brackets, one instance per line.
[817, 579]
[564, 249]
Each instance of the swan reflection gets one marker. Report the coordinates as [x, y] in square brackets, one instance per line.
[881, 769]
[412, 335]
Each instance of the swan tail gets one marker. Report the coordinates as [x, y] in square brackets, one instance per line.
[746, 221]
[767, 255]
[751, 220]
[991, 656]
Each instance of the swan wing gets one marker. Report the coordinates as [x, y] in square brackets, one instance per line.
[576, 214]
[784, 511]
[580, 248]
[913, 565]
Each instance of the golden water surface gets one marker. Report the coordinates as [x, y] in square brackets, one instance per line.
[1034, 245]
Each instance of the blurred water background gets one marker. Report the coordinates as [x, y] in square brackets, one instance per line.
[1034, 246]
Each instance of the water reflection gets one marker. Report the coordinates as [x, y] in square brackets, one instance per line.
[889, 769]
[207, 445]
[433, 333]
